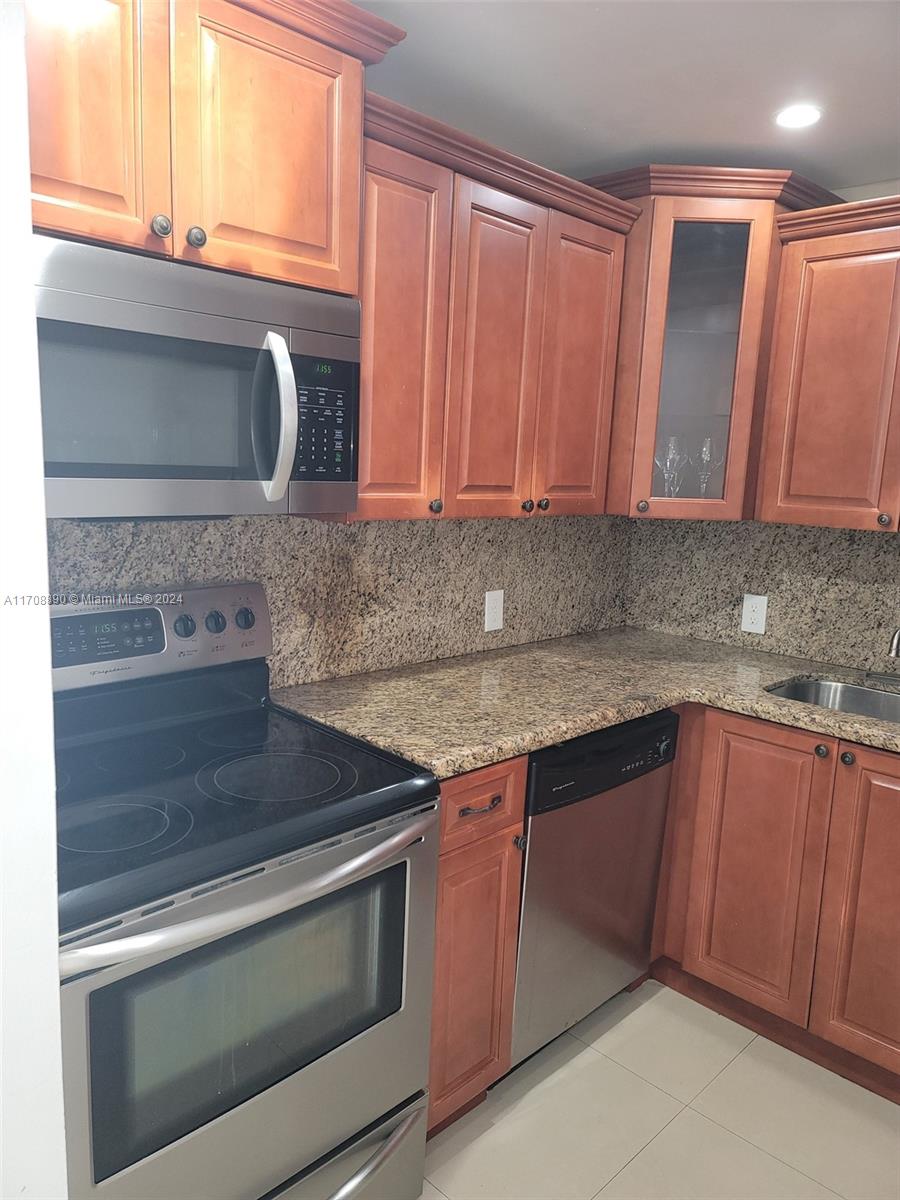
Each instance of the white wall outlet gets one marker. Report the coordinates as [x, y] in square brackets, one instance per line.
[493, 610]
[753, 616]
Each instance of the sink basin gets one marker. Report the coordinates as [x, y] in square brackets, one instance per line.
[844, 697]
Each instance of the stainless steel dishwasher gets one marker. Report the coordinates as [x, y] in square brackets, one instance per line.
[596, 814]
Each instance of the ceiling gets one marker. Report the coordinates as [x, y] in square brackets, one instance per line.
[584, 86]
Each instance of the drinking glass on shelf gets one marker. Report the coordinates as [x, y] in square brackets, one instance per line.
[671, 464]
[709, 457]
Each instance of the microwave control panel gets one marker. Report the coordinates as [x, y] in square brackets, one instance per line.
[326, 421]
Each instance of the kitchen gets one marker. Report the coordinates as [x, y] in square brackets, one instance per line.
[453, 567]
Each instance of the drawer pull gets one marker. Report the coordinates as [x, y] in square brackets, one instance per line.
[470, 811]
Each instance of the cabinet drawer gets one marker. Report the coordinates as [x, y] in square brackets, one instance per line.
[479, 803]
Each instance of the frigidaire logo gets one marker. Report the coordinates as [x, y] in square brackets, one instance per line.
[109, 670]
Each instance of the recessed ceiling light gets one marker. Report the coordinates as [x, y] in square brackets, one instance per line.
[798, 116]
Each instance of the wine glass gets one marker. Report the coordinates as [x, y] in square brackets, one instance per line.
[709, 457]
[671, 465]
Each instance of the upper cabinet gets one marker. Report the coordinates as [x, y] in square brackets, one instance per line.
[832, 442]
[99, 169]
[257, 166]
[700, 273]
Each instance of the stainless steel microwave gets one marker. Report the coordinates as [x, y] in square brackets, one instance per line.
[170, 390]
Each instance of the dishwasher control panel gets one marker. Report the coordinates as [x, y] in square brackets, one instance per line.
[586, 766]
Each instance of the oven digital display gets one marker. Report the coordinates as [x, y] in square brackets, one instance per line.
[129, 633]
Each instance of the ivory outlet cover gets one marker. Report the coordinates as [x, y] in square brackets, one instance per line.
[493, 610]
[753, 616]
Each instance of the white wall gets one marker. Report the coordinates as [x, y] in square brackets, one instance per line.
[32, 1134]
[870, 191]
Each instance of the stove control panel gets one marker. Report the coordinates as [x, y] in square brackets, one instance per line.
[157, 632]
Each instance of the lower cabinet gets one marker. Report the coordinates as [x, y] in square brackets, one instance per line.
[856, 992]
[479, 886]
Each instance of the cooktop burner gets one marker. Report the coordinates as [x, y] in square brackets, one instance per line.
[276, 777]
[117, 824]
[146, 755]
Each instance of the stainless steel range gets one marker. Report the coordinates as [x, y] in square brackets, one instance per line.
[247, 915]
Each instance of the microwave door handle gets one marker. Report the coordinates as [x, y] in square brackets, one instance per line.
[385, 1152]
[216, 925]
[276, 487]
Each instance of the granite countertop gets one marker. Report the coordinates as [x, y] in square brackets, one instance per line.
[457, 714]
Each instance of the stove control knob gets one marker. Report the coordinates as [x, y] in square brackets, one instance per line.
[185, 625]
[245, 618]
[215, 621]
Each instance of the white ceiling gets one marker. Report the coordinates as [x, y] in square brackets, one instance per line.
[584, 86]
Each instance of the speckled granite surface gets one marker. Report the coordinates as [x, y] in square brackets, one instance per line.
[461, 714]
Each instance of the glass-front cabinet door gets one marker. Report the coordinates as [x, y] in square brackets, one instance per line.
[706, 292]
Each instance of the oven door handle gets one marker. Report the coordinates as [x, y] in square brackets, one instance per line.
[216, 925]
[385, 1151]
[276, 487]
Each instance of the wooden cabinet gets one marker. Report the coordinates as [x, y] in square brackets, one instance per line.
[763, 802]
[832, 447]
[98, 106]
[259, 158]
[479, 883]
[405, 293]
[581, 325]
[699, 286]
[496, 316]
[267, 137]
[856, 993]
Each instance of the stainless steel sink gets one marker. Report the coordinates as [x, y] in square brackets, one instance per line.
[844, 697]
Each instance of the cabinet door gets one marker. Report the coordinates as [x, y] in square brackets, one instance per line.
[405, 296]
[581, 322]
[98, 106]
[706, 295]
[267, 147]
[497, 303]
[856, 992]
[759, 855]
[832, 448]
[474, 970]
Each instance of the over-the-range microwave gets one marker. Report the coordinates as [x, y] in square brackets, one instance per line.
[170, 390]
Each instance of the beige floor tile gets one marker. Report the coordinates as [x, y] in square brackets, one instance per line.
[694, 1159]
[558, 1129]
[670, 1041]
[839, 1134]
[430, 1192]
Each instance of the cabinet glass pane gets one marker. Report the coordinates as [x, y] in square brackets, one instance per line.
[706, 289]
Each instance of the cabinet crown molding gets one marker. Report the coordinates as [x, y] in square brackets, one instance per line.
[337, 23]
[401, 127]
[736, 183]
[881, 213]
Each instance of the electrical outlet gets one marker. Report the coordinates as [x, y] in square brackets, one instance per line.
[753, 616]
[493, 610]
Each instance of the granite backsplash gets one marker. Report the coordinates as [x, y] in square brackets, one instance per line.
[352, 598]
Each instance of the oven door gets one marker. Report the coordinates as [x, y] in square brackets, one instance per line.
[221, 1046]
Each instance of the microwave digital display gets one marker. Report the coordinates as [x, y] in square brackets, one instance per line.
[326, 419]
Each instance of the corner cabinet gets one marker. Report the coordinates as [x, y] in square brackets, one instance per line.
[254, 164]
[699, 285]
[832, 445]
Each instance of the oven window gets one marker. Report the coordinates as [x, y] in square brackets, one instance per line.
[178, 1044]
[123, 405]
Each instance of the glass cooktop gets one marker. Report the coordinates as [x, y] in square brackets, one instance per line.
[144, 815]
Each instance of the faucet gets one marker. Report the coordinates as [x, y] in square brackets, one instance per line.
[894, 651]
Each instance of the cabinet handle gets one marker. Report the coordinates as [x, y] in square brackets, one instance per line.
[884, 519]
[643, 505]
[528, 505]
[848, 759]
[470, 811]
[196, 237]
[436, 506]
[161, 225]
[543, 504]
[822, 750]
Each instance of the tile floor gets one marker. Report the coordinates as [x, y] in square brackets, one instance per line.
[653, 1097]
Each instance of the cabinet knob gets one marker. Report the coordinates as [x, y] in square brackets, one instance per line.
[196, 237]
[528, 505]
[822, 750]
[520, 841]
[643, 505]
[161, 225]
[436, 506]
[848, 759]
[543, 504]
[884, 519]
